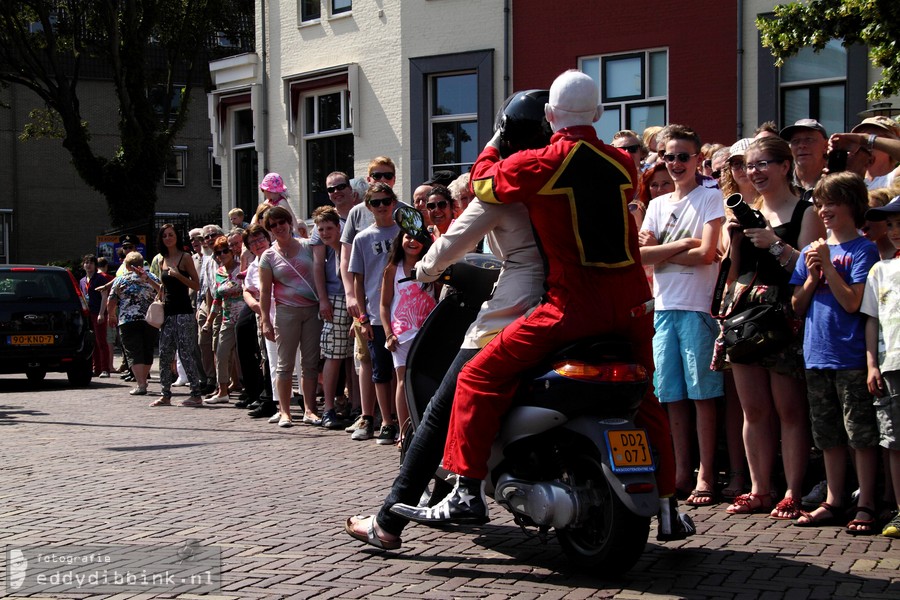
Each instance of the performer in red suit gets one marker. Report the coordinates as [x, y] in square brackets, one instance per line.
[577, 191]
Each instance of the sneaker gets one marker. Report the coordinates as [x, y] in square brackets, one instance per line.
[263, 411]
[387, 436]
[466, 503]
[365, 431]
[816, 496]
[104, 375]
[311, 420]
[138, 391]
[285, 422]
[892, 529]
[181, 382]
[330, 420]
[357, 423]
[275, 418]
[217, 400]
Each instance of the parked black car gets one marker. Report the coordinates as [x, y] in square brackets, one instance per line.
[45, 324]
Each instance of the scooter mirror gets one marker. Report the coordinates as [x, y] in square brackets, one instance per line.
[410, 222]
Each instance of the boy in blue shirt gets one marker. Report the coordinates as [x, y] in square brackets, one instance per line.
[830, 278]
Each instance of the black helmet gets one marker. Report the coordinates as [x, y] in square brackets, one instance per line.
[522, 123]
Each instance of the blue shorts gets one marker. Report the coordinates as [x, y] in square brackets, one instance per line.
[682, 350]
[382, 361]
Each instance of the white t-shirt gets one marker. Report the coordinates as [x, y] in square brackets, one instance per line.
[882, 300]
[882, 181]
[680, 287]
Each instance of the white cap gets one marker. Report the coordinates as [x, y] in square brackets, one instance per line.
[574, 92]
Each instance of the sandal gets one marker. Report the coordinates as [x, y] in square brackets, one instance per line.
[811, 521]
[700, 498]
[787, 510]
[192, 401]
[162, 401]
[732, 490]
[371, 536]
[752, 503]
[869, 523]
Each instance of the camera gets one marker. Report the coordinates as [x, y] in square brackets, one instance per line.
[749, 218]
[837, 161]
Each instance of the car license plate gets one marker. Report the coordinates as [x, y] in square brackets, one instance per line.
[629, 451]
[29, 340]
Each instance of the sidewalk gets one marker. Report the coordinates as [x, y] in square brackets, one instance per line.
[97, 466]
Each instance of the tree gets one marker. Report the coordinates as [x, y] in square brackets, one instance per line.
[153, 51]
[875, 23]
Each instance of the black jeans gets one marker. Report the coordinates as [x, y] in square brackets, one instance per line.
[426, 450]
[249, 354]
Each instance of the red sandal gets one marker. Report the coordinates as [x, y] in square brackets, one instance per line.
[748, 504]
[791, 507]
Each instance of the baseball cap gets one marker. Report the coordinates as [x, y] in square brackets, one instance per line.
[790, 130]
[739, 148]
[886, 124]
[443, 178]
[128, 238]
[881, 213]
[272, 183]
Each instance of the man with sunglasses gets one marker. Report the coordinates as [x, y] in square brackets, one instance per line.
[439, 205]
[628, 141]
[576, 191]
[679, 237]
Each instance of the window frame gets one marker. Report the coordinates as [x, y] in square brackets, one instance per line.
[339, 13]
[214, 182]
[420, 70]
[6, 227]
[312, 184]
[624, 104]
[453, 118]
[310, 20]
[182, 153]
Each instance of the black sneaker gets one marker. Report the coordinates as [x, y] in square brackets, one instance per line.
[465, 504]
[330, 420]
[264, 410]
[673, 525]
[387, 436]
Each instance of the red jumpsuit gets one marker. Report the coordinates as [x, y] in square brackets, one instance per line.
[576, 190]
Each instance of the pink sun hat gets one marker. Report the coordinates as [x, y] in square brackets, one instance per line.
[272, 183]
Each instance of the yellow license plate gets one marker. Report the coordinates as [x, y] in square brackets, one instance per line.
[629, 450]
[30, 340]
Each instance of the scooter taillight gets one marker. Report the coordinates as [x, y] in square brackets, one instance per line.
[614, 372]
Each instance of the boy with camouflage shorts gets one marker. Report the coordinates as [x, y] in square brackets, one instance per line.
[881, 302]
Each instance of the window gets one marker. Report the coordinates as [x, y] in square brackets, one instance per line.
[634, 89]
[215, 169]
[341, 6]
[451, 108]
[244, 161]
[175, 167]
[310, 10]
[157, 96]
[814, 85]
[453, 112]
[327, 133]
[5, 230]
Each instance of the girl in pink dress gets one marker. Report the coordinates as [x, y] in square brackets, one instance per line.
[404, 305]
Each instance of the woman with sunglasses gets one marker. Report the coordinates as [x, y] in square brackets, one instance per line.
[228, 301]
[440, 209]
[179, 329]
[773, 390]
[286, 275]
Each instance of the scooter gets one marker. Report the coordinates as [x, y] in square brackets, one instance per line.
[568, 456]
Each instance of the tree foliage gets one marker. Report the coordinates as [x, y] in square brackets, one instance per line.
[875, 23]
[153, 52]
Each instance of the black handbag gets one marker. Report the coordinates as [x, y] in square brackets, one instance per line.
[755, 333]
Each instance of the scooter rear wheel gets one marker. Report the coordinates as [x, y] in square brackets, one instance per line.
[611, 540]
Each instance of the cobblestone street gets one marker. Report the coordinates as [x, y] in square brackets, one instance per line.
[98, 467]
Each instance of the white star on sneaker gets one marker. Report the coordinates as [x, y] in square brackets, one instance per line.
[466, 497]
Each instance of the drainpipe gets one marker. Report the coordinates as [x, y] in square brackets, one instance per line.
[506, 49]
[264, 89]
[740, 69]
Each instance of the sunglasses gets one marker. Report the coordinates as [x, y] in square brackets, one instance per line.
[376, 202]
[221, 252]
[337, 188]
[632, 149]
[717, 173]
[442, 204]
[209, 236]
[274, 224]
[682, 157]
[707, 164]
[378, 175]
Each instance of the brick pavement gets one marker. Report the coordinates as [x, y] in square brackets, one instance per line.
[97, 466]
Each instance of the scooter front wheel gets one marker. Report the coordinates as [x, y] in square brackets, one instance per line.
[612, 538]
